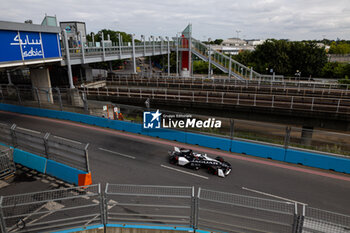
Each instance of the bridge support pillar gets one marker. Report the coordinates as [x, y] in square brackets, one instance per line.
[41, 80]
[306, 135]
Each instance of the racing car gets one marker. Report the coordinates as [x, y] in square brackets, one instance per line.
[188, 158]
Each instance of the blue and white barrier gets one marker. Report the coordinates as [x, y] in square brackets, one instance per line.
[275, 152]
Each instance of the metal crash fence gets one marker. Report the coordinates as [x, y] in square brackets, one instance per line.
[7, 166]
[59, 149]
[241, 213]
[166, 205]
[52, 210]
[170, 207]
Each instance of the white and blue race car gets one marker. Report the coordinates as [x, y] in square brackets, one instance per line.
[188, 158]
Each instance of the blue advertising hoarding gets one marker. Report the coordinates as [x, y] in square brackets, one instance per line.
[24, 46]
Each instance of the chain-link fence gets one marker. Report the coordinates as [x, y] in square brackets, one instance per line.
[319, 221]
[52, 210]
[150, 205]
[59, 149]
[7, 166]
[240, 213]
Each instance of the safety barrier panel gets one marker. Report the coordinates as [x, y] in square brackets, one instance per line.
[308, 158]
[340, 164]
[134, 208]
[53, 210]
[256, 149]
[49, 154]
[209, 141]
[30, 160]
[63, 172]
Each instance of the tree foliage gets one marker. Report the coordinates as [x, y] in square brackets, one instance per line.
[285, 57]
[114, 35]
[339, 48]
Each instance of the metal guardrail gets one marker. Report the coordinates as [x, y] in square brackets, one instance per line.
[147, 206]
[59, 149]
[319, 221]
[240, 213]
[312, 104]
[52, 210]
[226, 84]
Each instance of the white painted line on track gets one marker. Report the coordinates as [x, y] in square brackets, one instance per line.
[68, 140]
[117, 153]
[29, 130]
[188, 173]
[274, 196]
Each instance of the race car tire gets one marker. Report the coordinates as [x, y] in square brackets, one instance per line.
[172, 160]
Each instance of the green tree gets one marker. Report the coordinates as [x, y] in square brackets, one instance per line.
[339, 48]
[114, 35]
[285, 58]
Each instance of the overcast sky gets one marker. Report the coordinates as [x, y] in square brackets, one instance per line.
[260, 19]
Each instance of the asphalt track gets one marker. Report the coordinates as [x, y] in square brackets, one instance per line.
[123, 158]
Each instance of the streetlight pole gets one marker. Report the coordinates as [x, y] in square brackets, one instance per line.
[168, 55]
[238, 31]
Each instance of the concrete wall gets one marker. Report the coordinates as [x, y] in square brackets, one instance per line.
[41, 80]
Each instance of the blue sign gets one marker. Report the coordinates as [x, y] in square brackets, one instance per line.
[151, 120]
[22, 46]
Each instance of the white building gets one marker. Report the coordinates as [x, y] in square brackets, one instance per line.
[234, 46]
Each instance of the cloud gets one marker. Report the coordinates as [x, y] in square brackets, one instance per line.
[296, 20]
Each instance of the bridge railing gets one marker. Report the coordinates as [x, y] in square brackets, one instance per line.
[233, 85]
[144, 48]
[161, 208]
[227, 64]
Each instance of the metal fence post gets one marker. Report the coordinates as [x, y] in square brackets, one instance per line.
[2, 220]
[46, 138]
[102, 206]
[287, 137]
[301, 220]
[338, 105]
[85, 102]
[37, 96]
[59, 98]
[18, 95]
[13, 135]
[232, 128]
[196, 209]
[2, 94]
[87, 157]
[105, 206]
[193, 209]
[254, 99]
